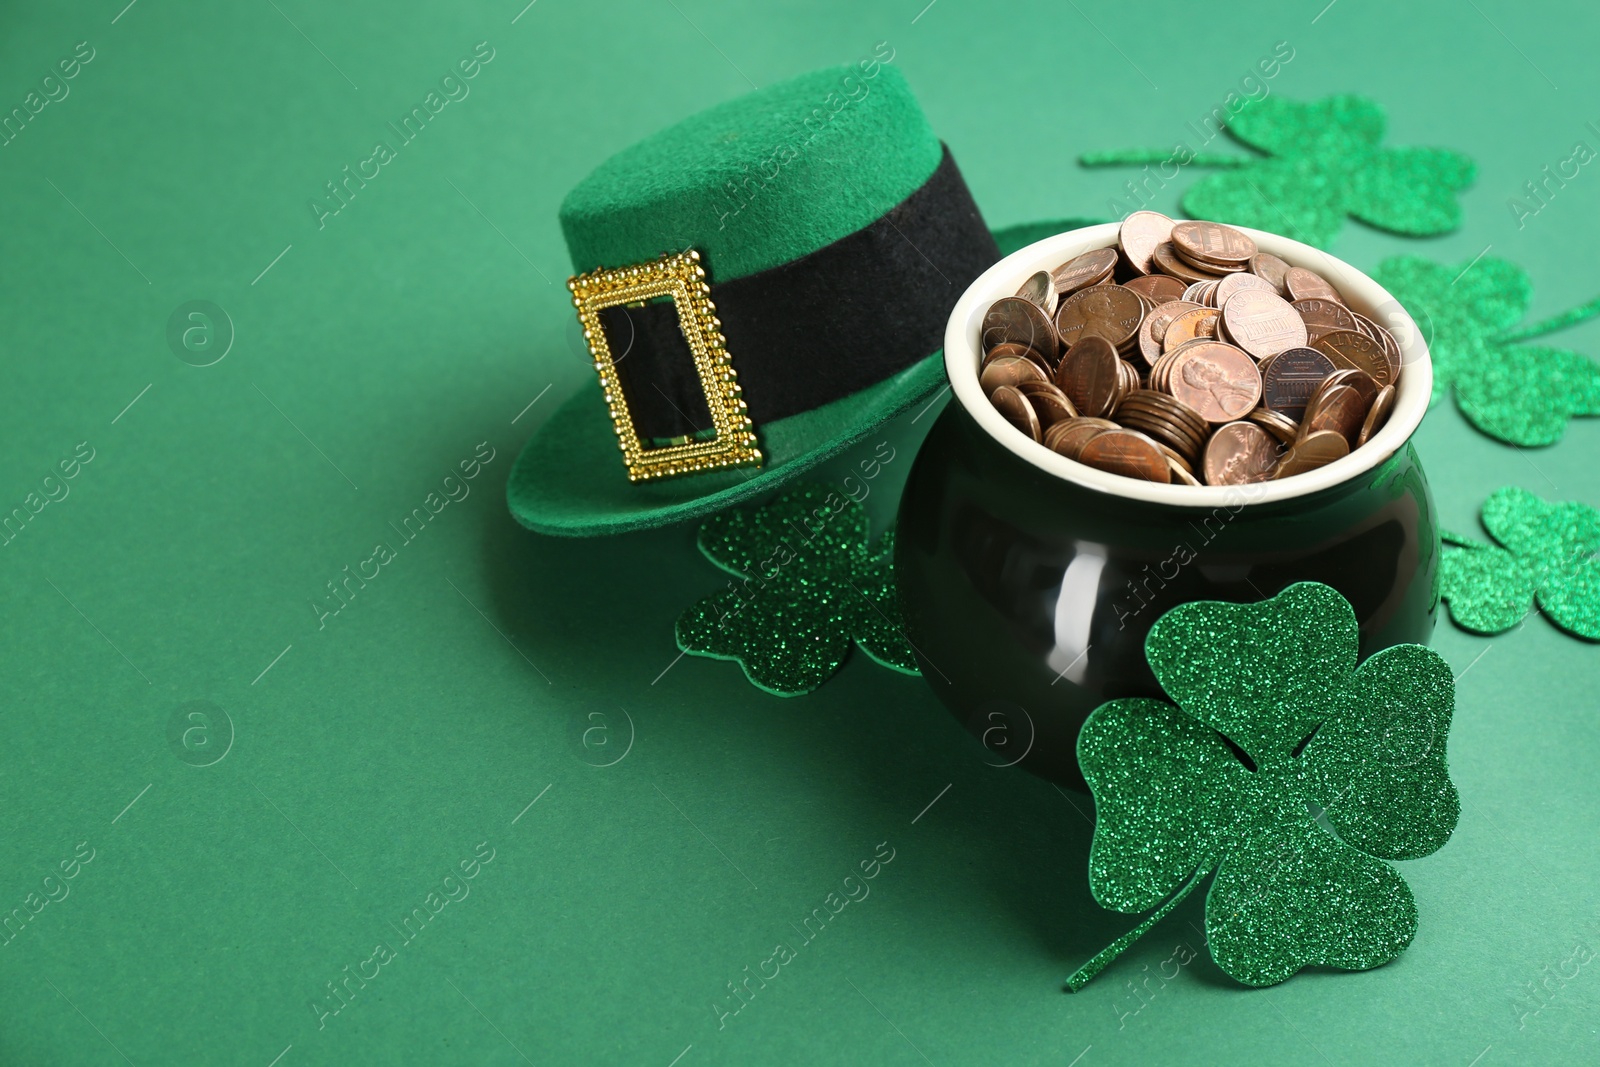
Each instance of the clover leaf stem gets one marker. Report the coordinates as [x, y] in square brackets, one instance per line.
[1085, 974]
[1133, 157]
[1554, 322]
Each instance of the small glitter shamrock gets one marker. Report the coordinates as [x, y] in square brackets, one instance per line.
[1322, 161]
[1273, 722]
[1551, 554]
[809, 585]
[1522, 394]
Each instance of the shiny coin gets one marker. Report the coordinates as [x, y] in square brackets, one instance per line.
[1306, 285]
[1163, 315]
[1008, 370]
[1149, 347]
[1324, 316]
[1217, 380]
[1162, 432]
[1391, 346]
[1377, 416]
[1068, 438]
[1167, 261]
[1270, 269]
[1285, 429]
[1358, 380]
[1090, 375]
[1348, 348]
[1200, 322]
[1240, 453]
[1041, 290]
[1124, 452]
[1157, 288]
[1212, 242]
[1287, 384]
[1339, 409]
[1010, 402]
[1049, 402]
[1263, 323]
[1310, 452]
[1108, 311]
[1007, 348]
[1022, 322]
[1243, 280]
[1139, 235]
[1091, 268]
[1181, 474]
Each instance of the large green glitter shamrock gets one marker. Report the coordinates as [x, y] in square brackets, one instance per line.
[1323, 161]
[809, 585]
[1523, 394]
[1273, 721]
[1551, 553]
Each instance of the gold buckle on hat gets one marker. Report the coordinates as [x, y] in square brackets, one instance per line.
[681, 278]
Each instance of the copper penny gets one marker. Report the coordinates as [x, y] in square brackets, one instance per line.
[1010, 402]
[1049, 403]
[1277, 424]
[1167, 261]
[1350, 348]
[1199, 323]
[1324, 316]
[1091, 268]
[1270, 269]
[1240, 453]
[1180, 473]
[1339, 409]
[1008, 370]
[1149, 347]
[1007, 348]
[1385, 337]
[1161, 432]
[1263, 323]
[1158, 288]
[1021, 322]
[1217, 380]
[1307, 285]
[1089, 375]
[1212, 242]
[1358, 380]
[1310, 452]
[1138, 236]
[1243, 280]
[1377, 416]
[1293, 376]
[1068, 438]
[1124, 452]
[1109, 311]
[1041, 290]
[1163, 315]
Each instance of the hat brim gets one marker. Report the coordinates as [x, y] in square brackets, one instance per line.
[569, 480]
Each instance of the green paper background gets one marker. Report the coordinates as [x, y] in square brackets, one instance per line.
[372, 755]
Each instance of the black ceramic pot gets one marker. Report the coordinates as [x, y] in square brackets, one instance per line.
[1029, 581]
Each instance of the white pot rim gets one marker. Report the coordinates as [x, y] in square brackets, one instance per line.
[963, 354]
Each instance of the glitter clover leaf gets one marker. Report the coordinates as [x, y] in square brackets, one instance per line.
[808, 586]
[1282, 768]
[1551, 556]
[1321, 161]
[1521, 394]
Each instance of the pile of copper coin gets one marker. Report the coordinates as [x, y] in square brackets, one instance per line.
[1187, 355]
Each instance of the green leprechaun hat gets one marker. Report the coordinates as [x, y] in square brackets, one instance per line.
[760, 286]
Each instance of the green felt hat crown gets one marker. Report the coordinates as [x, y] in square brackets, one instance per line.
[794, 192]
[759, 180]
